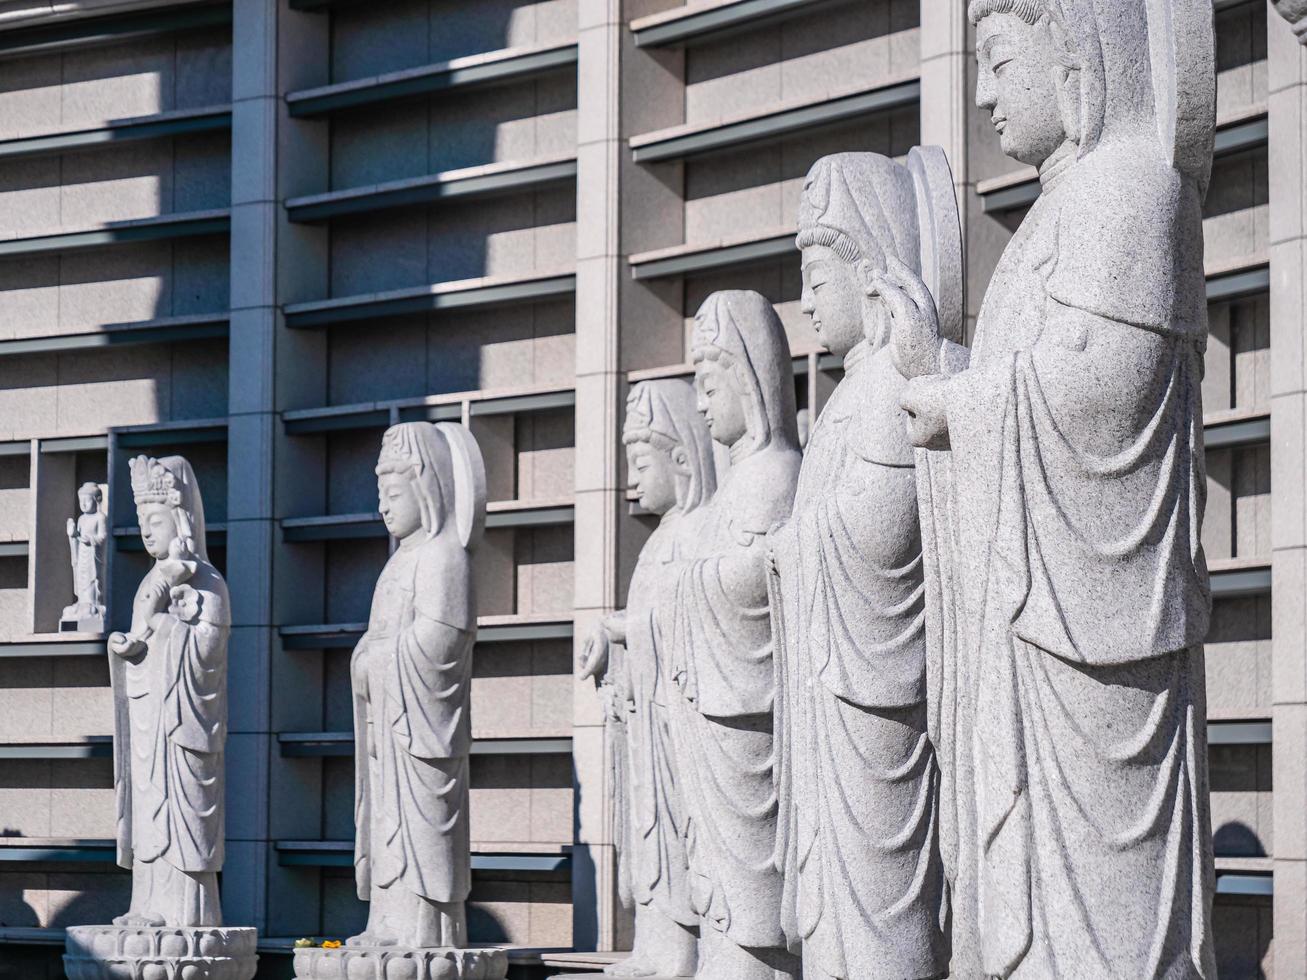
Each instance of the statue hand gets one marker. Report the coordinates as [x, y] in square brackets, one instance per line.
[72, 528]
[915, 341]
[123, 645]
[593, 661]
[925, 401]
[175, 571]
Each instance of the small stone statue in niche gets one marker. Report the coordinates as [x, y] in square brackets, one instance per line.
[170, 691]
[86, 537]
[412, 677]
[670, 459]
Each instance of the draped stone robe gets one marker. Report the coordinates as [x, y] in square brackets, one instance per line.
[412, 675]
[864, 885]
[1070, 589]
[723, 722]
[653, 832]
[170, 734]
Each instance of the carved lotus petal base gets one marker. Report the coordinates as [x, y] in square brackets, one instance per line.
[400, 963]
[162, 953]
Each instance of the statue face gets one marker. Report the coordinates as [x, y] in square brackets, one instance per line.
[87, 503]
[1018, 87]
[832, 298]
[720, 402]
[397, 499]
[653, 475]
[158, 528]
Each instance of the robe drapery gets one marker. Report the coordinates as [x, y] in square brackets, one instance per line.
[1069, 589]
[170, 733]
[653, 822]
[412, 674]
[722, 725]
[863, 879]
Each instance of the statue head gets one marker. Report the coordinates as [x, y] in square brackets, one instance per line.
[169, 507]
[743, 374]
[430, 478]
[1028, 78]
[668, 447]
[856, 209]
[89, 496]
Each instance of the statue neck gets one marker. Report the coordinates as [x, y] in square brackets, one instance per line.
[1062, 160]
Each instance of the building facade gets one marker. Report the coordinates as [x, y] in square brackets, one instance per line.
[257, 232]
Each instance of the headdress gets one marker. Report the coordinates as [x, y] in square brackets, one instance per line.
[663, 414]
[446, 465]
[171, 481]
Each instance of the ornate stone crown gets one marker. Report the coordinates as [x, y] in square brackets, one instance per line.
[152, 483]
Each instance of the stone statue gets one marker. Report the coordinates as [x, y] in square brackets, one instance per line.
[169, 676]
[722, 641]
[670, 461]
[858, 780]
[86, 537]
[1069, 592]
[1295, 12]
[412, 676]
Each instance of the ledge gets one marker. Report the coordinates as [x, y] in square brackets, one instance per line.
[178, 123]
[1239, 578]
[434, 408]
[681, 260]
[128, 537]
[53, 645]
[75, 32]
[1226, 430]
[295, 745]
[490, 629]
[1244, 884]
[162, 227]
[466, 184]
[87, 851]
[354, 527]
[692, 25]
[176, 433]
[687, 141]
[1238, 282]
[90, 747]
[340, 854]
[1239, 733]
[163, 330]
[465, 294]
[14, 549]
[494, 67]
[1021, 189]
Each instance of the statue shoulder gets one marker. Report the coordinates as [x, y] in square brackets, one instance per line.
[1129, 241]
[442, 582]
[879, 427]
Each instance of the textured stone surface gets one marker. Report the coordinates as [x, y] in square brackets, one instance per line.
[145, 953]
[412, 674]
[858, 780]
[87, 534]
[400, 963]
[1066, 594]
[169, 673]
[670, 462]
[722, 641]
[1295, 12]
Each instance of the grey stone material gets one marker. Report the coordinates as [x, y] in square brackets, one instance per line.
[1295, 12]
[722, 641]
[411, 674]
[87, 535]
[670, 462]
[1067, 590]
[160, 953]
[857, 776]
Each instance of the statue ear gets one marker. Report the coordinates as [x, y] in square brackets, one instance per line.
[866, 275]
[681, 459]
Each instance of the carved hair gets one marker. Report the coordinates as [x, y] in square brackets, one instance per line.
[1031, 11]
[821, 236]
[91, 490]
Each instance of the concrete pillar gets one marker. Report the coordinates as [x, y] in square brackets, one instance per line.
[946, 88]
[1287, 104]
[599, 264]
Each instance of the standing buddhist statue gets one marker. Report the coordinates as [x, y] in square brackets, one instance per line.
[722, 641]
[1072, 595]
[670, 461]
[169, 677]
[858, 778]
[87, 534]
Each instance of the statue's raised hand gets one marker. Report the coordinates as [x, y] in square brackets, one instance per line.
[915, 339]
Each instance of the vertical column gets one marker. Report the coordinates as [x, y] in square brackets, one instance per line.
[945, 87]
[249, 456]
[596, 912]
[1287, 105]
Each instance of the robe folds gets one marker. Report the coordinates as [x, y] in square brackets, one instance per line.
[722, 722]
[1068, 590]
[652, 832]
[171, 729]
[858, 843]
[412, 673]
